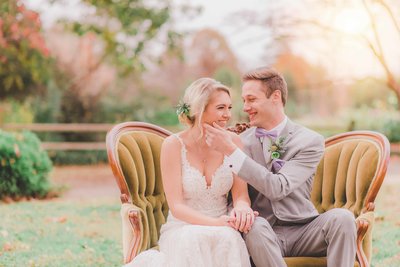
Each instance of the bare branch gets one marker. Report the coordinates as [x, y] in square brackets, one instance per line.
[391, 81]
[375, 30]
[378, 51]
[374, 50]
[392, 16]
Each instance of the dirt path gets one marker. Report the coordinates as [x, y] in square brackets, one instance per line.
[89, 181]
[393, 174]
[97, 181]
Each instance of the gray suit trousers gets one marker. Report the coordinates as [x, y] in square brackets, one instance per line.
[331, 234]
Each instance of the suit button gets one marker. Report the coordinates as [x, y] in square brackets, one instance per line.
[230, 166]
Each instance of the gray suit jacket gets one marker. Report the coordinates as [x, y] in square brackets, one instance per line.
[286, 194]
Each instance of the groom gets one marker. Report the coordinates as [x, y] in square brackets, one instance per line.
[279, 161]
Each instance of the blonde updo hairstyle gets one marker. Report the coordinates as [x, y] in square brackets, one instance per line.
[197, 96]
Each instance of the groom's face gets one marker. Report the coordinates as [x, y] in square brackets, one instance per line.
[256, 104]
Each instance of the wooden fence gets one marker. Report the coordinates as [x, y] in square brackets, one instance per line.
[64, 127]
[87, 128]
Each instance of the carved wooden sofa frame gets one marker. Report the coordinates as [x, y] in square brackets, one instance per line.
[134, 227]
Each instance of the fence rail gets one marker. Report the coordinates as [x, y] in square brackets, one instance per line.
[64, 127]
[59, 127]
[88, 128]
[74, 145]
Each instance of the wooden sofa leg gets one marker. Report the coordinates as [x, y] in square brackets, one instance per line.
[362, 227]
[135, 244]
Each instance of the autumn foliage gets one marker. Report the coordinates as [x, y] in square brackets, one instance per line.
[24, 57]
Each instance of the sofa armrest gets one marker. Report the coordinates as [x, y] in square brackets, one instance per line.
[132, 230]
[364, 223]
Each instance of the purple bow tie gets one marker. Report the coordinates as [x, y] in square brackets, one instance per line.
[260, 132]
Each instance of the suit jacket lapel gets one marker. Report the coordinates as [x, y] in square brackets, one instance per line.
[261, 151]
[287, 132]
[257, 148]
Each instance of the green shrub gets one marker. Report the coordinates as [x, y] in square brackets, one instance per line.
[24, 166]
[392, 130]
[15, 112]
[78, 157]
[380, 120]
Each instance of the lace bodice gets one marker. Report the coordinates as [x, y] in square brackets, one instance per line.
[183, 244]
[210, 200]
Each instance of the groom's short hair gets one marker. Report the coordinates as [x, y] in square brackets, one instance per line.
[271, 79]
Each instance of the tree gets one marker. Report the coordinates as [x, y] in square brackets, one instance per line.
[207, 55]
[290, 24]
[307, 85]
[210, 51]
[375, 43]
[24, 57]
[372, 37]
[115, 36]
[126, 30]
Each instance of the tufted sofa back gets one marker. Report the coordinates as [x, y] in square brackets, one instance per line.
[134, 155]
[350, 174]
[139, 156]
[350, 167]
[344, 175]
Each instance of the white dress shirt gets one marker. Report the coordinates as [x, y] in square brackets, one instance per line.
[237, 158]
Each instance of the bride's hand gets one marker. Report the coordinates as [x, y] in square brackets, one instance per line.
[244, 218]
[226, 220]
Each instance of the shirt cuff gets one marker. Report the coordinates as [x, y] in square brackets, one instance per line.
[236, 159]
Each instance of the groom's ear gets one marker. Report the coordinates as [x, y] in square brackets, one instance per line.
[276, 96]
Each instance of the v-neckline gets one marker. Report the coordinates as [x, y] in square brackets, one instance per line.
[208, 186]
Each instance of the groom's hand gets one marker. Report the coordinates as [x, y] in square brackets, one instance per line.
[219, 139]
[243, 218]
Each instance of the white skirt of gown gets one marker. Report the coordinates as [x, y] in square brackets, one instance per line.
[187, 245]
[183, 245]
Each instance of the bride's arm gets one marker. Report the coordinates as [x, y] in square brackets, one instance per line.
[241, 201]
[172, 182]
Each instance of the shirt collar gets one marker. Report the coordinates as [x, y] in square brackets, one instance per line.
[280, 126]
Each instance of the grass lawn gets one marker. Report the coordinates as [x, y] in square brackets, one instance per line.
[386, 235]
[74, 231]
[60, 233]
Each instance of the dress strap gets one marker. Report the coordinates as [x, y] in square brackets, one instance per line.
[183, 149]
[179, 138]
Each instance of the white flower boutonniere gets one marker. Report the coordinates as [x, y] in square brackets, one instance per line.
[276, 147]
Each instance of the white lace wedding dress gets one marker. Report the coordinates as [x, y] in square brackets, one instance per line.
[182, 244]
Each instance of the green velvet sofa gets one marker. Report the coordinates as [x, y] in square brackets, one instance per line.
[349, 176]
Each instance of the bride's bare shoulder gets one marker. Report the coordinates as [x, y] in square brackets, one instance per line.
[172, 142]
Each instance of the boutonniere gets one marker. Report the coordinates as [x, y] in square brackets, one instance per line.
[276, 147]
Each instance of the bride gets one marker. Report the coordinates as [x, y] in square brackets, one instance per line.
[199, 230]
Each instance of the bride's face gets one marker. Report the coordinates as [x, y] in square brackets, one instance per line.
[218, 109]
